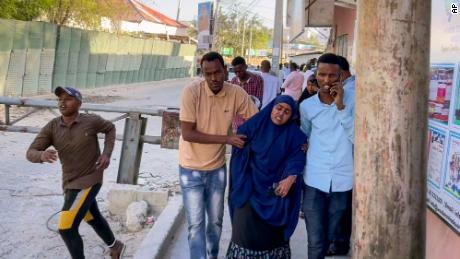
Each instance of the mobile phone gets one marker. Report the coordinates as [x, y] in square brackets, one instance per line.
[334, 94]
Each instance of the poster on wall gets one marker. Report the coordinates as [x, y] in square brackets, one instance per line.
[452, 179]
[445, 32]
[443, 172]
[436, 145]
[440, 96]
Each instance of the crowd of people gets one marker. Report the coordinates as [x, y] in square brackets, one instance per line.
[292, 151]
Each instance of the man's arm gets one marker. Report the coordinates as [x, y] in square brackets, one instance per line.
[287, 83]
[345, 112]
[106, 127]
[36, 152]
[191, 134]
[305, 123]
[260, 91]
[347, 121]
[246, 107]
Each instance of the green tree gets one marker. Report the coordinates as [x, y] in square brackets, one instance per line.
[25, 10]
[86, 13]
[235, 23]
[81, 13]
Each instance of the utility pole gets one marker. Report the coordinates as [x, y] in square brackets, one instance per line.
[244, 32]
[389, 203]
[178, 10]
[250, 43]
[215, 25]
[277, 36]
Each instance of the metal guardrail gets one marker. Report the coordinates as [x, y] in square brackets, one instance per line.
[24, 102]
[133, 137]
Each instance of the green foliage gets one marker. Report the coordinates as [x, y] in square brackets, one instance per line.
[87, 13]
[24, 10]
[231, 27]
[82, 13]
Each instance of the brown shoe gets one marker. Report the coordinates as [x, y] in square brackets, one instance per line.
[117, 251]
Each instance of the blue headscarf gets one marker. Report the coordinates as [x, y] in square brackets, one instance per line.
[271, 154]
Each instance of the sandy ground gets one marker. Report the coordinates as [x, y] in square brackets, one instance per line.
[31, 193]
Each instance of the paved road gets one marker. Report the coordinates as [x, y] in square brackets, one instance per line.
[179, 247]
[169, 95]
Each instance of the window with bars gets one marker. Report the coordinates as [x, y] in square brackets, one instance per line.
[342, 45]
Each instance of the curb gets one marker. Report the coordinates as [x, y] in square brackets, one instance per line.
[154, 244]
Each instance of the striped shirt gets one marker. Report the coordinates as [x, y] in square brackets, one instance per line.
[253, 86]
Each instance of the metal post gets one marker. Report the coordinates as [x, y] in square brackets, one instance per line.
[250, 44]
[131, 150]
[244, 32]
[277, 36]
[389, 203]
[7, 114]
[178, 10]
[215, 25]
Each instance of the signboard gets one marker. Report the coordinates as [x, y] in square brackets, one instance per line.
[226, 51]
[443, 172]
[257, 52]
[204, 25]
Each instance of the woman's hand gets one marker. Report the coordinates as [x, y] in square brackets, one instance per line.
[285, 185]
[305, 147]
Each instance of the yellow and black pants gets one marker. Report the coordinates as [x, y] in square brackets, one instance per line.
[81, 205]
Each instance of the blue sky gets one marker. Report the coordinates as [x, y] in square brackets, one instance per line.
[263, 8]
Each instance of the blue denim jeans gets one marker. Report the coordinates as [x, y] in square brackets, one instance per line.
[323, 215]
[203, 195]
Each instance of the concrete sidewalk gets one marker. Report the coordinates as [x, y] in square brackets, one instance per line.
[179, 248]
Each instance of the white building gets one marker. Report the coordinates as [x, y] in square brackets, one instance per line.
[139, 18]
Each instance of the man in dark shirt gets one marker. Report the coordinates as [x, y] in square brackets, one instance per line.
[74, 136]
[252, 83]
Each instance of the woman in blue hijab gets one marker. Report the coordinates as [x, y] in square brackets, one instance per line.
[266, 181]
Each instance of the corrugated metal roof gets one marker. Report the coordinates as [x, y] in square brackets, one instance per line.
[147, 13]
[136, 11]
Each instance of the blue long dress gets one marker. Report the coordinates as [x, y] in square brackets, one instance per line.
[263, 222]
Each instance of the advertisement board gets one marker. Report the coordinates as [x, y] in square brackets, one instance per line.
[204, 25]
[443, 172]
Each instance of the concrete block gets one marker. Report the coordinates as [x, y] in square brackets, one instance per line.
[136, 214]
[162, 232]
[121, 195]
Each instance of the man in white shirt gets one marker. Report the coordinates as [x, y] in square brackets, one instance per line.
[272, 84]
[327, 119]
[286, 71]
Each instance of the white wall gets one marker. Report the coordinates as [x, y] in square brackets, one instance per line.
[145, 26]
[303, 58]
[150, 27]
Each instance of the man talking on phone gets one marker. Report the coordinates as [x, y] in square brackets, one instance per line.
[328, 120]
